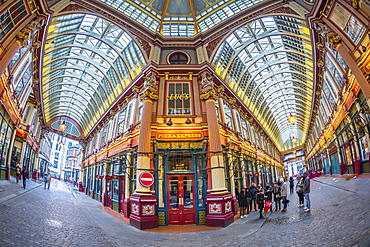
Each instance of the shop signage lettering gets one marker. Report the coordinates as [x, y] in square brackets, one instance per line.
[184, 96]
[108, 177]
[181, 136]
[115, 177]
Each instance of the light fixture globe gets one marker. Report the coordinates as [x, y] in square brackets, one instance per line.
[292, 119]
[62, 126]
[294, 140]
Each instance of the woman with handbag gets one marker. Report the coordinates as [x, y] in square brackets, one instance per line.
[277, 197]
[299, 190]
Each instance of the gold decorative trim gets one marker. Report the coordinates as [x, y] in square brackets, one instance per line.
[354, 4]
[148, 94]
[333, 41]
[209, 95]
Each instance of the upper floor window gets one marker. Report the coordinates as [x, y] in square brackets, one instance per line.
[11, 17]
[178, 98]
[104, 134]
[228, 115]
[122, 120]
[178, 58]
[348, 23]
[23, 78]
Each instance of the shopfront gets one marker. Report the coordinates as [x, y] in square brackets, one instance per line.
[181, 182]
[6, 134]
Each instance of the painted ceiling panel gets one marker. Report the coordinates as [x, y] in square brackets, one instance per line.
[179, 7]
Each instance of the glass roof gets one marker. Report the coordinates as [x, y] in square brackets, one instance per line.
[268, 63]
[88, 62]
[180, 17]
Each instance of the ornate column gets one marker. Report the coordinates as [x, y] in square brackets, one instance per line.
[80, 176]
[143, 201]
[336, 43]
[219, 200]
[126, 201]
[19, 41]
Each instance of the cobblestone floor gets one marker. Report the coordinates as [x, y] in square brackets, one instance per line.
[339, 216]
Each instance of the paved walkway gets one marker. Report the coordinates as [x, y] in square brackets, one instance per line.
[10, 189]
[62, 216]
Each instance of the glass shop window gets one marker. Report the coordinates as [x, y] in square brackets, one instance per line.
[115, 190]
[178, 98]
[364, 146]
[180, 163]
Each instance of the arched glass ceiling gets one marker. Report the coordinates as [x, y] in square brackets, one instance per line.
[88, 62]
[180, 17]
[268, 63]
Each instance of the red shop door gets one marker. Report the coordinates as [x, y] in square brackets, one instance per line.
[181, 201]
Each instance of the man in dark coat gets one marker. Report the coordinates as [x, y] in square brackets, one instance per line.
[242, 200]
[24, 176]
[306, 191]
[261, 202]
[254, 192]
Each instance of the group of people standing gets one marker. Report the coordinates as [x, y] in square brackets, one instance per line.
[22, 174]
[254, 197]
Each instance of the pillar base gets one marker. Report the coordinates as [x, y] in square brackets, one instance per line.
[219, 210]
[126, 208]
[80, 187]
[143, 212]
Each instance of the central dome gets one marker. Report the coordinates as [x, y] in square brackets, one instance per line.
[180, 17]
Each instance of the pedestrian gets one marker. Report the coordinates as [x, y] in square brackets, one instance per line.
[49, 181]
[291, 184]
[45, 180]
[299, 190]
[254, 192]
[18, 174]
[277, 197]
[242, 203]
[284, 194]
[248, 196]
[261, 202]
[268, 192]
[24, 176]
[306, 191]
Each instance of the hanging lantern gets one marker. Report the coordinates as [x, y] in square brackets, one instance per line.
[62, 126]
[292, 119]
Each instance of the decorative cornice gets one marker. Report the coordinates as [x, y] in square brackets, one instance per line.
[148, 94]
[334, 41]
[354, 4]
[209, 95]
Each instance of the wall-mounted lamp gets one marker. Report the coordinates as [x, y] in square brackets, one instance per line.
[169, 122]
[188, 121]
